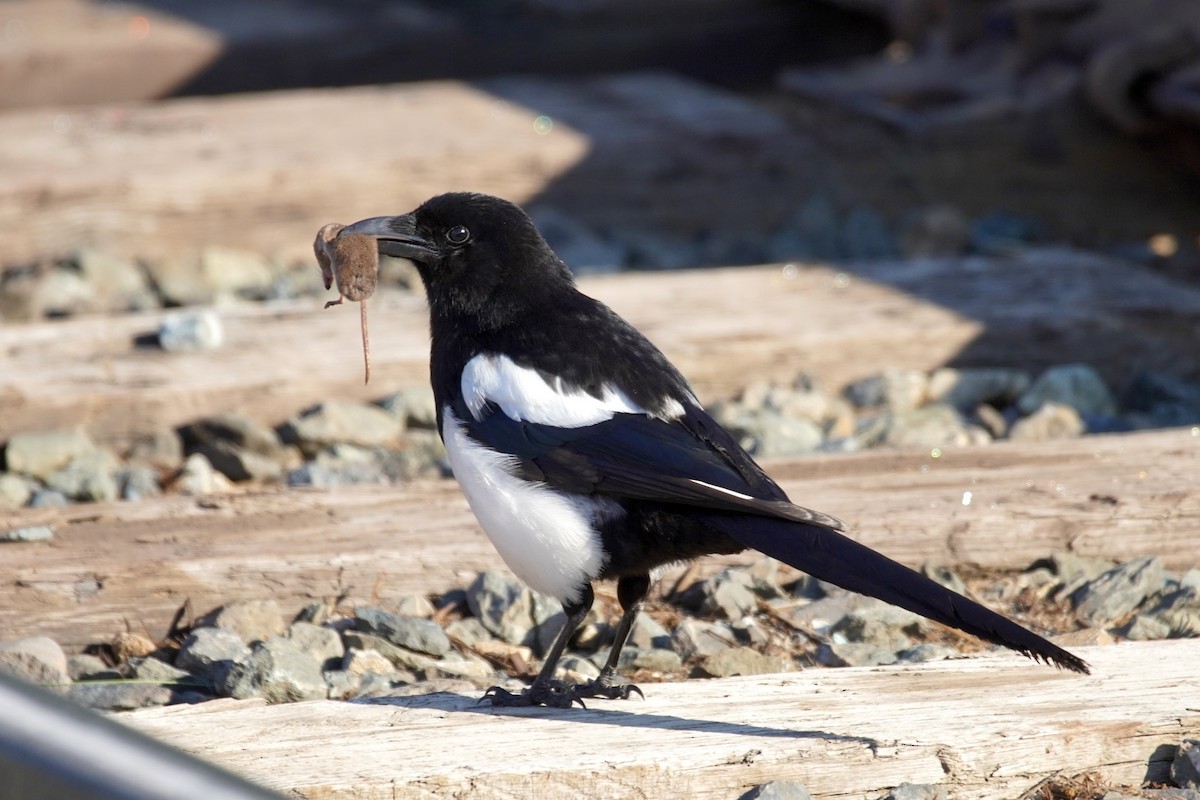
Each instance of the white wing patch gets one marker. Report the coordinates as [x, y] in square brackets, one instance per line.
[547, 538]
[523, 395]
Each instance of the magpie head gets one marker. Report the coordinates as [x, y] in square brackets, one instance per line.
[478, 256]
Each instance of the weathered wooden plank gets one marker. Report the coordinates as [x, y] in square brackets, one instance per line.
[984, 727]
[115, 564]
[725, 328]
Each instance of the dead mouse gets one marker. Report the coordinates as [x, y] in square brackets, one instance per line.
[350, 261]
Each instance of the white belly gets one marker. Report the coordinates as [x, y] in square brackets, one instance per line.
[547, 538]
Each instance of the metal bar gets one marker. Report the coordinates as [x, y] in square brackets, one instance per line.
[53, 749]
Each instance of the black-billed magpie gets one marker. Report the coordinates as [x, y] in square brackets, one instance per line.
[585, 455]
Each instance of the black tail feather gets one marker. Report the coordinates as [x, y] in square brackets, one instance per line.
[832, 557]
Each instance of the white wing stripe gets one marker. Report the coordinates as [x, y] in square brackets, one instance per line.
[523, 395]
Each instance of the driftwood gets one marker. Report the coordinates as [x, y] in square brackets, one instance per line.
[984, 727]
[115, 565]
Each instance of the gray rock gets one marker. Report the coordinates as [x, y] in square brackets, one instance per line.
[120, 696]
[583, 251]
[854, 654]
[1165, 400]
[936, 231]
[743, 661]
[647, 633]
[191, 331]
[811, 233]
[48, 498]
[28, 533]
[236, 273]
[694, 638]
[1146, 627]
[896, 390]
[251, 620]
[944, 575]
[413, 406]
[209, 653]
[42, 453]
[84, 667]
[342, 684]
[1075, 385]
[422, 666]
[345, 421]
[340, 465]
[238, 463]
[147, 668]
[411, 605]
[548, 620]
[413, 633]
[325, 644]
[1118, 591]
[864, 234]
[749, 632]
[822, 614]
[37, 659]
[917, 791]
[778, 790]
[15, 491]
[878, 624]
[651, 659]
[926, 651]
[576, 669]
[769, 434]
[934, 425]
[179, 282]
[654, 251]
[418, 454]
[234, 429]
[198, 478]
[117, 284]
[1074, 570]
[764, 579]
[469, 631]
[470, 668]
[991, 420]
[62, 291]
[502, 604]
[1185, 767]
[728, 595]
[137, 482]
[277, 670]
[967, 388]
[162, 448]
[999, 233]
[88, 477]
[1050, 422]
[360, 662]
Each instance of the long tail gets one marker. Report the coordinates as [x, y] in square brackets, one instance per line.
[832, 557]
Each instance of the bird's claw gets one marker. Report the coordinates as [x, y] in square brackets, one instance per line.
[560, 694]
[552, 694]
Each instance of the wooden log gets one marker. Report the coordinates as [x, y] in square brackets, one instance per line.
[741, 325]
[985, 727]
[117, 565]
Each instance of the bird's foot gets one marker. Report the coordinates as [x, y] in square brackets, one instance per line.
[561, 694]
[609, 688]
[552, 694]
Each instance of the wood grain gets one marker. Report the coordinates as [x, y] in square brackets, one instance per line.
[984, 727]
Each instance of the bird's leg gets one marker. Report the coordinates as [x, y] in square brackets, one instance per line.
[631, 592]
[545, 690]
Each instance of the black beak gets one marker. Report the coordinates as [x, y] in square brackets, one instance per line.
[396, 236]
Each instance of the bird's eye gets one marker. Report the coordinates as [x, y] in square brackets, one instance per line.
[458, 235]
